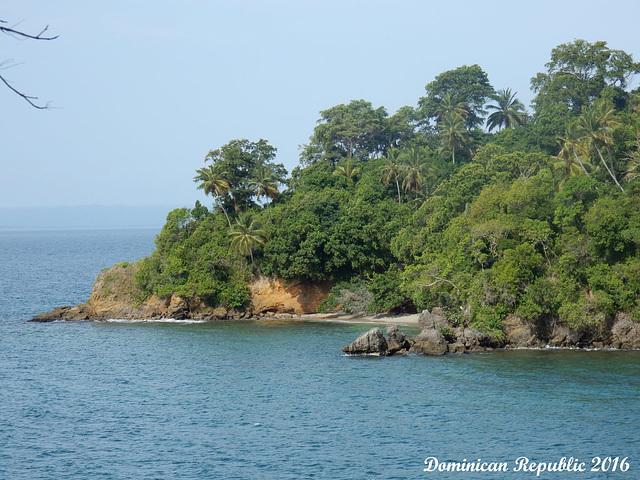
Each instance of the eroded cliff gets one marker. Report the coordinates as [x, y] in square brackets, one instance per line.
[116, 295]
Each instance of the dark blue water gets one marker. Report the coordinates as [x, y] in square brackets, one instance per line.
[273, 400]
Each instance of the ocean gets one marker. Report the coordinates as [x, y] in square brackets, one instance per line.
[277, 399]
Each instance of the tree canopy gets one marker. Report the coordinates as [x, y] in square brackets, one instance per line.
[467, 87]
[579, 72]
[537, 216]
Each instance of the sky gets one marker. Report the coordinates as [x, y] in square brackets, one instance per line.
[141, 90]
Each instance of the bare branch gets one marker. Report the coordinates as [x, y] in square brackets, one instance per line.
[18, 34]
[26, 97]
[12, 32]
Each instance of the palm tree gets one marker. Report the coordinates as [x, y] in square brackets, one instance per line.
[391, 169]
[348, 170]
[415, 170]
[448, 103]
[214, 183]
[595, 126]
[265, 185]
[453, 134]
[509, 111]
[572, 148]
[568, 167]
[633, 166]
[634, 103]
[246, 235]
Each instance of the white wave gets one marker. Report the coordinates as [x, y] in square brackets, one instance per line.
[549, 347]
[154, 320]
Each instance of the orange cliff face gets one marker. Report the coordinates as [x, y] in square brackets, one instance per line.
[274, 295]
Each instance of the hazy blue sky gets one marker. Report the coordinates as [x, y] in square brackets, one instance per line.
[143, 89]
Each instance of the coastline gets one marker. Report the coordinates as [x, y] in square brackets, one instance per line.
[115, 297]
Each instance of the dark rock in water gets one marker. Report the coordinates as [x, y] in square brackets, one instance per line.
[563, 336]
[55, 315]
[78, 313]
[432, 320]
[477, 341]
[439, 337]
[178, 308]
[370, 343]
[457, 347]
[518, 333]
[429, 342]
[396, 340]
[625, 333]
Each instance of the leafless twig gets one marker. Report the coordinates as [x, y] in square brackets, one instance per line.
[15, 33]
[26, 97]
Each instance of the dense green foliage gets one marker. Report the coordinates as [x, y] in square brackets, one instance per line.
[533, 214]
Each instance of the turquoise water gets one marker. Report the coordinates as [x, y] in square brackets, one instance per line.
[273, 400]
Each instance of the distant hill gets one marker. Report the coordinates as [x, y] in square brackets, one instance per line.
[86, 216]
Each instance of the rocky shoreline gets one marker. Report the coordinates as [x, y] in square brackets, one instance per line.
[115, 296]
[438, 336]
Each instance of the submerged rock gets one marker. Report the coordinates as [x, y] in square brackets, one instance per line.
[369, 343]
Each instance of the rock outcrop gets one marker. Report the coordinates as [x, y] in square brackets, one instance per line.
[625, 333]
[396, 340]
[429, 342]
[438, 336]
[434, 319]
[116, 295]
[369, 343]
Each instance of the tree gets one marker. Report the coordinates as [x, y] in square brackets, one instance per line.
[595, 125]
[509, 111]
[352, 130]
[449, 103]
[453, 135]
[214, 183]
[633, 165]
[391, 170]
[634, 102]
[400, 128]
[579, 72]
[572, 148]
[246, 235]
[24, 35]
[469, 85]
[569, 164]
[415, 170]
[265, 185]
[239, 160]
[348, 170]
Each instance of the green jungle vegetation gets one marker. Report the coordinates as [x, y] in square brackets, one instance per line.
[466, 201]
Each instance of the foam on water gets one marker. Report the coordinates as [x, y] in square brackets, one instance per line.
[185, 321]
